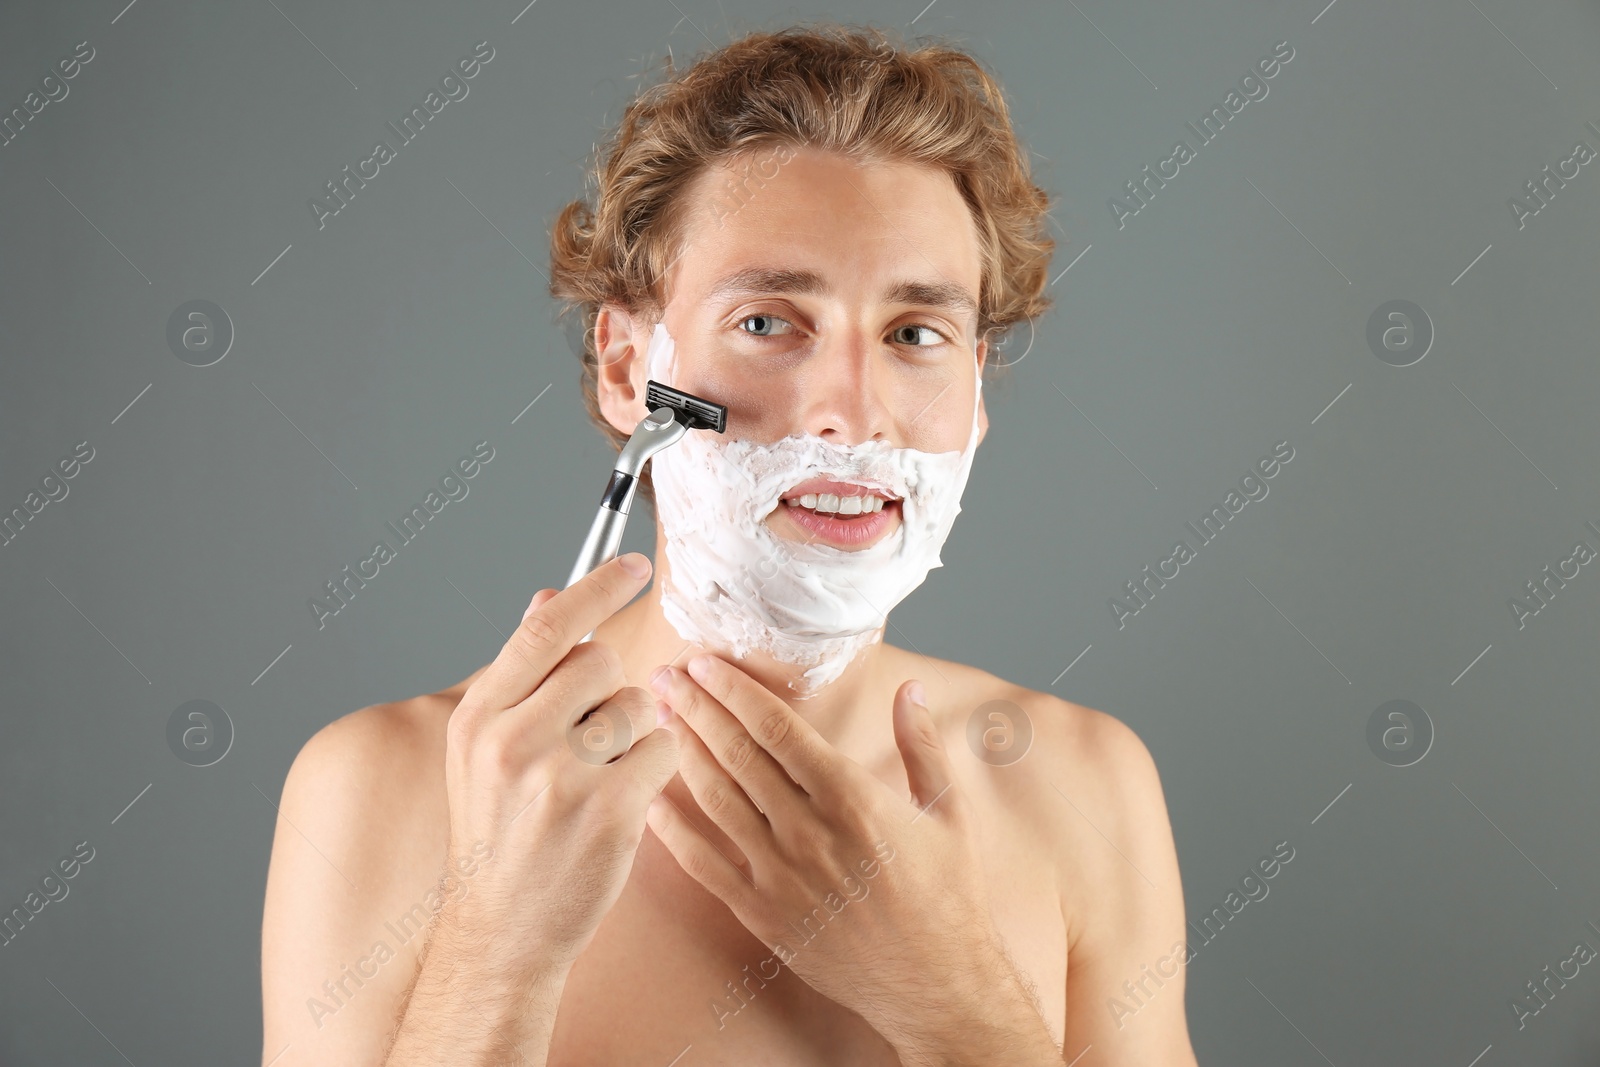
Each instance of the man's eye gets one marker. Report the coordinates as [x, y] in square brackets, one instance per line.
[767, 319]
[918, 326]
[906, 335]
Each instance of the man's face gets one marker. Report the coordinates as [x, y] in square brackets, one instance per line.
[815, 295]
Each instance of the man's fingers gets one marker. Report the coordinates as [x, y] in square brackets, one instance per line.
[539, 598]
[791, 741]
[929, 772]
[649, 764]
[750, 768]
[720, 796]
[587, 678]
[552, 628]
[721, 871]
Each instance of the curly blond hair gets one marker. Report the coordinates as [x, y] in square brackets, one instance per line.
[855, 90]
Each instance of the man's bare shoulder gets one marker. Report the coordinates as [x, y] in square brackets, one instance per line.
[1067, 771]
[1086, 790]
[374, 742]
[1074, 741]
[380, 768]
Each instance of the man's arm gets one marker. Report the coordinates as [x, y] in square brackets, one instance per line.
[324, 999]
[399, 840]
[356, 872]
[1126, 952]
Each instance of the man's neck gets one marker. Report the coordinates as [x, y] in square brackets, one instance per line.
[852, 712]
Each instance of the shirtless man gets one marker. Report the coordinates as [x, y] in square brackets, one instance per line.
[760, 879]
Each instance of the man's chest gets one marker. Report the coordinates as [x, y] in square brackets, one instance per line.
[672, 977]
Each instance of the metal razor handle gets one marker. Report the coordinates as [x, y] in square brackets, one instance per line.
[658, 430]
[605, 533]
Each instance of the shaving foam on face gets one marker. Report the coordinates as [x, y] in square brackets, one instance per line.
[735, 586]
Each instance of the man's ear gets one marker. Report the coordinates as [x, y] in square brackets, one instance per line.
[621, 375]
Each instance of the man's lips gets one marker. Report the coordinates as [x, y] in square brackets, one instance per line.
[841, 514]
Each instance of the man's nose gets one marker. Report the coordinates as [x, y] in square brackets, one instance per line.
[845, 395]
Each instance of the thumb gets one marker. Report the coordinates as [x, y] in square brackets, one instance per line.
[928, 768]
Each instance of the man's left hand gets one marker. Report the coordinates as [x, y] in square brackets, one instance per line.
[874, 900]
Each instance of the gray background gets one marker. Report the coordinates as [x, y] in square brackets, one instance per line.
[1228, 315]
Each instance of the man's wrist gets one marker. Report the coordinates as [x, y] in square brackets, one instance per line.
[478, 1004]
[994, 1021]
[454, 955]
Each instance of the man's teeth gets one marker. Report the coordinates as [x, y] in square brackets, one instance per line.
[829, 503]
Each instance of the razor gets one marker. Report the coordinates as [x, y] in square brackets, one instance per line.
[673, 413]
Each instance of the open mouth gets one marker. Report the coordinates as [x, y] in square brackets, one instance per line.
[831, 504]
[841, 513]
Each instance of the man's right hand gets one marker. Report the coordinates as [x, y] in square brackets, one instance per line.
[562, 804]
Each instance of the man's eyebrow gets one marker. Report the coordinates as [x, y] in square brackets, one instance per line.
[752, 281]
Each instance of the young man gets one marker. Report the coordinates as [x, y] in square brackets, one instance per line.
[785, 851]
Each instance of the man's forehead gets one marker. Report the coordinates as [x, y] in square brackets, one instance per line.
[901, 247]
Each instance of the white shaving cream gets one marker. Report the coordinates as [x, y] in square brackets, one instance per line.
[735, 586]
